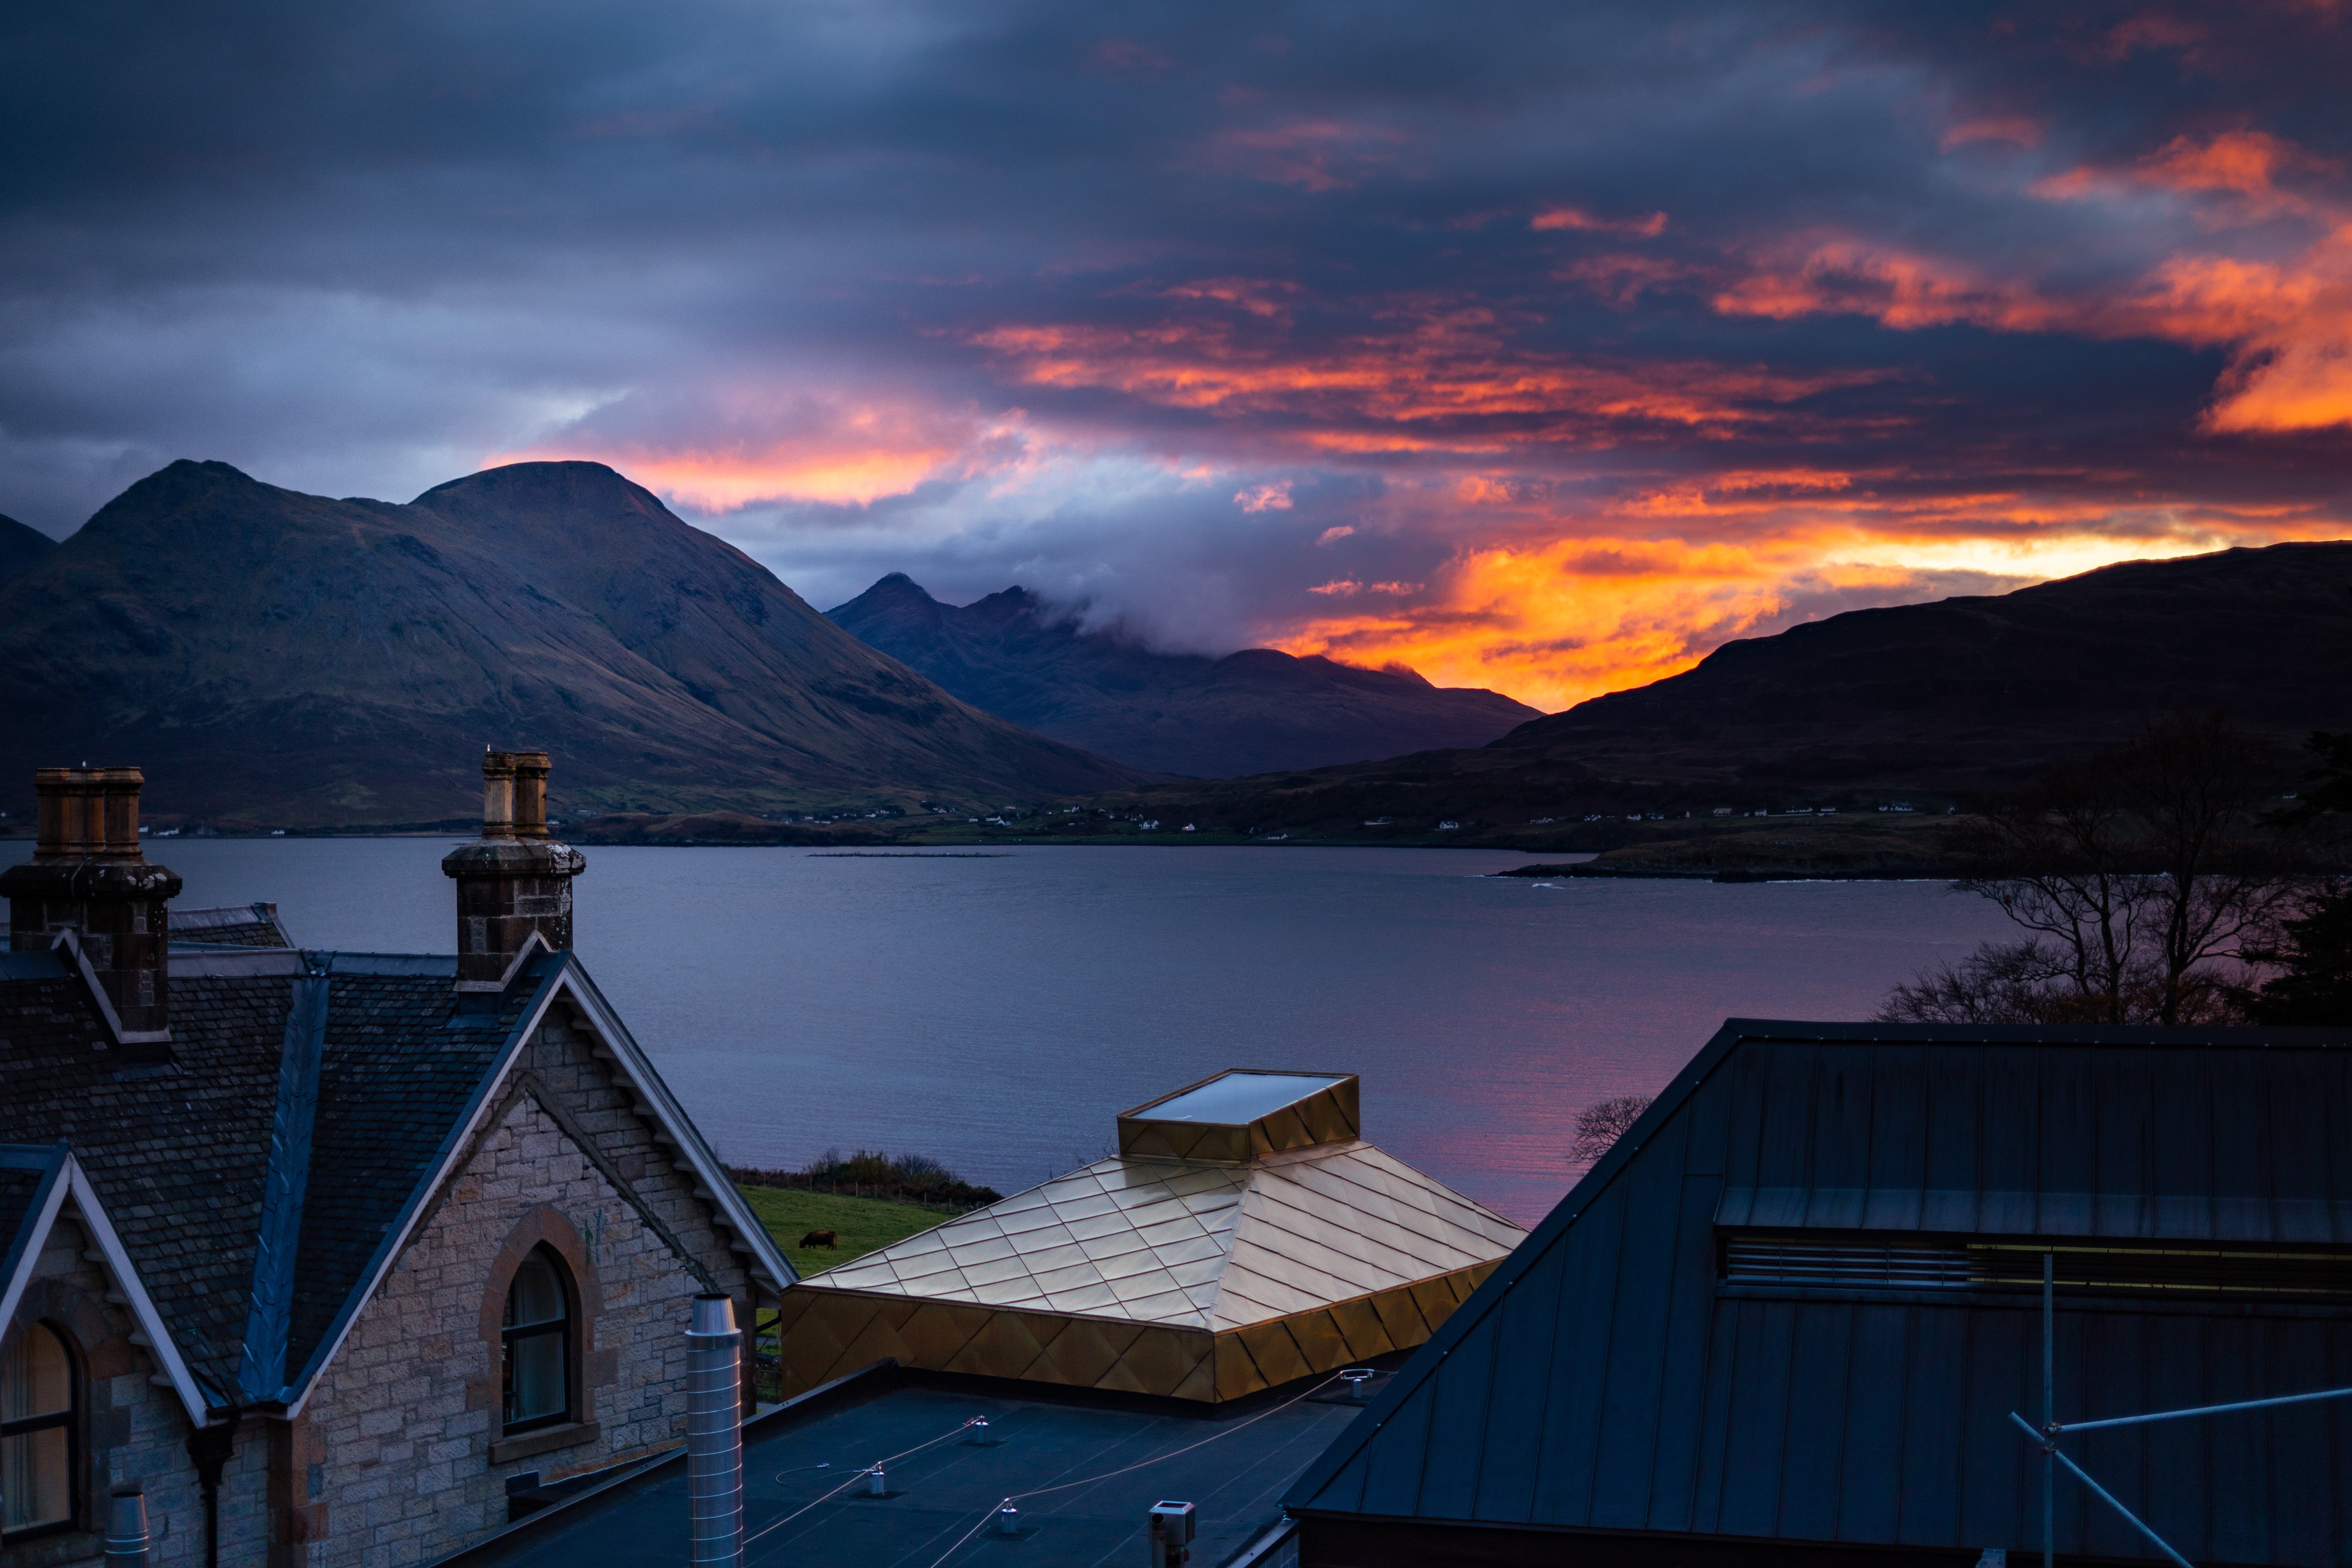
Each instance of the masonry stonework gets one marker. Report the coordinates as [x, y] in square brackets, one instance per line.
[131, 1429]
[397, 1457]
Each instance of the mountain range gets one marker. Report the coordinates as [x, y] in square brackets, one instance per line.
[1253, 712]
[1948, 700]
[272, 657]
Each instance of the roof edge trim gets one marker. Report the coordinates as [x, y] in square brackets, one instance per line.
[15, 1264]
[462, 1133]
[1498, 1284]
[642, 1077]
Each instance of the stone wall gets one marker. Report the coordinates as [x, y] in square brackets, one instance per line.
[134, 1430]
[397, 1456]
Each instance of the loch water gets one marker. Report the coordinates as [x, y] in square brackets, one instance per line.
[997, 1010]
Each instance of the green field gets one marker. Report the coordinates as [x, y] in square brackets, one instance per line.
[863, 1224]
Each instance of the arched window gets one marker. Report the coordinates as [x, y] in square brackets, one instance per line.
[536, 1348]
[38, 1445]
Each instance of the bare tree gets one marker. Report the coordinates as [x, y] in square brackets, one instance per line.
[2031, 981]
[1598, 1127]
[2146, 876]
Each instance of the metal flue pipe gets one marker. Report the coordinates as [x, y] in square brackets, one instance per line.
[714, 1433]
[126, 1529]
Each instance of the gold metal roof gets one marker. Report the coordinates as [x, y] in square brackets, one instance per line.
[1200, 1244]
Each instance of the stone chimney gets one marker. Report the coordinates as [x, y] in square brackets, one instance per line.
[88, 875]
[514, 882]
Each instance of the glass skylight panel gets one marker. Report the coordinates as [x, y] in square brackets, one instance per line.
[1238, 1099]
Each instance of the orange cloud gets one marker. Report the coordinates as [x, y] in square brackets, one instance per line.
[2289, 326]
[1557, 622]
[2284, 316]
[2242, 169]
[1648, 228]
[2013, 130]
[1435, 376]
[844, 454]
[1899, 289]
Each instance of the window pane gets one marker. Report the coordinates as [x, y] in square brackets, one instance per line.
[35, 1376]
[33, 1480]
[536, 1296]
[534, 1377]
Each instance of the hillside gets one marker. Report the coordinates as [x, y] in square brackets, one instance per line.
[278, 658]
[20, 547]
[1937, 700]
[1249, 712]
[1970, 692]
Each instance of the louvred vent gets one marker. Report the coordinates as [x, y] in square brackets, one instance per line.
[1873, 1264]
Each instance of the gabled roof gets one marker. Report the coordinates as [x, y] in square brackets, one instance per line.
[269, 1176]
[1610, 1377]
[1195, 1244]
[29, 1194]
[37, 1182]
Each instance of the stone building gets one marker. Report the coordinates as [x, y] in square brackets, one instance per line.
[322, 1250]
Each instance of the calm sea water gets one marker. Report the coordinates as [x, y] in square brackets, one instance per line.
[998, 1012]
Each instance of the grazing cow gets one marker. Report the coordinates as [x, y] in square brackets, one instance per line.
[821, 1238]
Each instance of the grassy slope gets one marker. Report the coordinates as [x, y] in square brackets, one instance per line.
[863, 1224]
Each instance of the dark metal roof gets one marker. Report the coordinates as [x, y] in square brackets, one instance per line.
[1234, 1477]
[179, 1154]
[1607, 1378]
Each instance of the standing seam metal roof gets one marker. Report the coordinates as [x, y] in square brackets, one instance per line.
[1605, 1379]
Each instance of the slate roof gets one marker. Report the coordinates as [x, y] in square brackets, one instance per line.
[236, 925]
[1195, 1244]
[178, 1154]
[1614, 1376]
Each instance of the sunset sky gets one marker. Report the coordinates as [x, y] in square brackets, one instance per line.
[1540, 347]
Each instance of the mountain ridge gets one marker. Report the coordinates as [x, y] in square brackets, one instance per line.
[1936, 703]
[20, 546]
[377, 648]
[1256, 710]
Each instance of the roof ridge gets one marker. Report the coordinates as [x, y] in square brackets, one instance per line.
[261, 1371]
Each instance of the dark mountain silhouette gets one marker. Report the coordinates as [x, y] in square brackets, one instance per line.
[276, 658]
[20, 547]
[1248, 712]
[1945, 699]
[1962, 690]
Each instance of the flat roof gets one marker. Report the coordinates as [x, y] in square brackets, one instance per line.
[1238, 1098]
[1233, 1469]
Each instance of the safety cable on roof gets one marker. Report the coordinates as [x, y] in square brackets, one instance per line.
[1138, 1465]
[855, 1476]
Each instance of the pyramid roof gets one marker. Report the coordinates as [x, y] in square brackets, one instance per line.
[1197, 1244]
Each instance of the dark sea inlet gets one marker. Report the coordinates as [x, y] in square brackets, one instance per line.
[998, 1012]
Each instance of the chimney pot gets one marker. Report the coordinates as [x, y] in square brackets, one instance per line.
[90, 876]
[498, 795]
[530, 769]
[515, 882]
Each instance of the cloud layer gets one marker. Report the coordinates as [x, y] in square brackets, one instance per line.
[1542, 351]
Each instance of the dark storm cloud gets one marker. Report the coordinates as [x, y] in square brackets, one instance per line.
[1352, 325]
